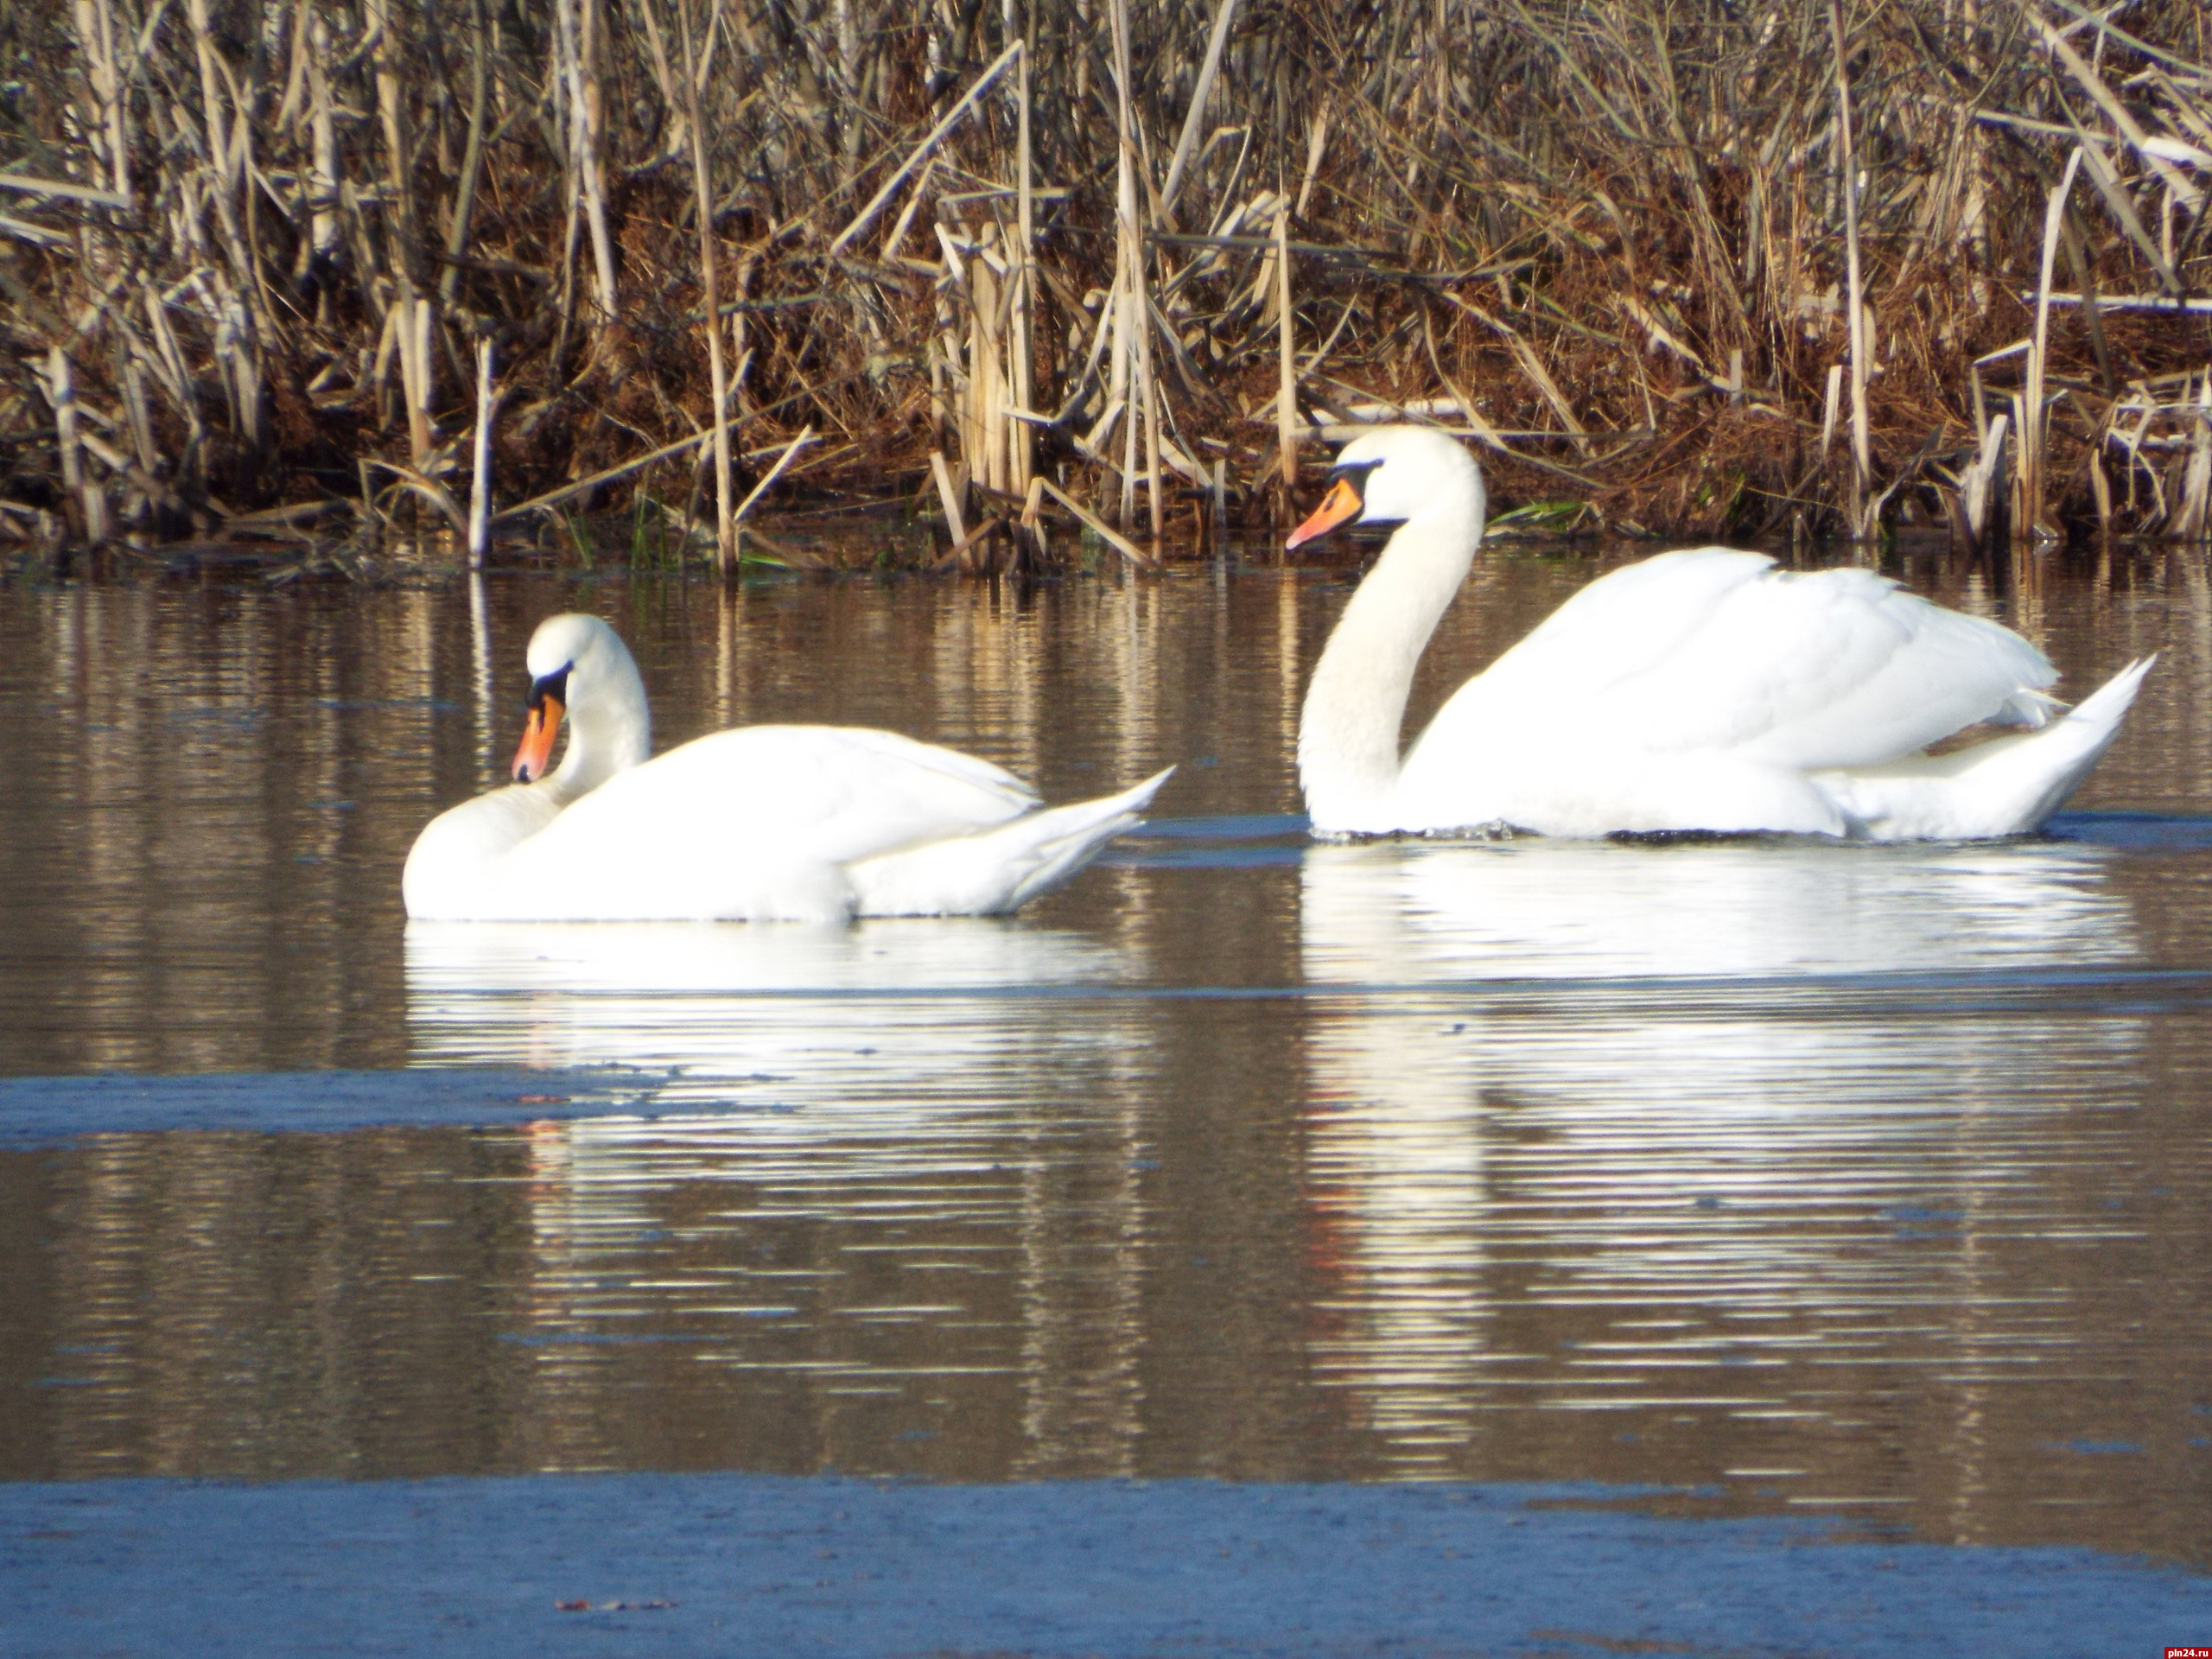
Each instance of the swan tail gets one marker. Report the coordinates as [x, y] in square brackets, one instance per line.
[994, 870]
[2028, 784]
[2106, 706]
[2007, 786]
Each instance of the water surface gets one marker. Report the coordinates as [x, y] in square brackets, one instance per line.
[1872, 1182]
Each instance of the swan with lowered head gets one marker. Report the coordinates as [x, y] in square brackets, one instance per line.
[757, 823]
[1702, 689]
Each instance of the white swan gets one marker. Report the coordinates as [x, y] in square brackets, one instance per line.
[1697, 691]
[759, 824]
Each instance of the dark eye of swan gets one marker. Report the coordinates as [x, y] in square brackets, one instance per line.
[555, 685]
[1355, 472]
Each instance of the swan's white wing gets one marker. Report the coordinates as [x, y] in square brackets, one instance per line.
[992, 787]
[1714, 653]
[1836, 668]
[1629, 622]
[823, 793]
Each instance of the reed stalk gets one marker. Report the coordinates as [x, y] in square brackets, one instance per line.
[710, 290]
[1020, 437]
[783, 460]
[1129, 322]
[1194, 117]
[579, 34]
[923, 150]
[948, 497]
[479, 487]
[85, 501]
[2029, 516]
[471, 163]
[1862, 455]
[95, 26]
[2193, 516]
[1286, 355]
[1129, 549]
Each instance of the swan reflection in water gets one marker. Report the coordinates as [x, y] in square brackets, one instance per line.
[731, 1007]
[1639, 1093]
[824, 1042]
[907, 1085]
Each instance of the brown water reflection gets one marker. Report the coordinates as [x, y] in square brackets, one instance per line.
[1867, 1179]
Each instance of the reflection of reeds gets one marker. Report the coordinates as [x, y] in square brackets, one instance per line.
[1628, 247]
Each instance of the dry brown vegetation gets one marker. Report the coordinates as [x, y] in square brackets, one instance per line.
[292, 267]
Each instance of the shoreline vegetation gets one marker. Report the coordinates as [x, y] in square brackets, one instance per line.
[339, 276]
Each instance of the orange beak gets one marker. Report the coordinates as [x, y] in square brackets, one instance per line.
[1340, 504]
[537, 734]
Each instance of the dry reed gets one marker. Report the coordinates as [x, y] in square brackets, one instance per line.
[256, 253]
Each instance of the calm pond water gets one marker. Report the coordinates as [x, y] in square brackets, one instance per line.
[1874, 1182]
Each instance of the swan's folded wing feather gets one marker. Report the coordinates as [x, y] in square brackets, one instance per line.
[1715, 652]
[1843, 668]
[1630, 621]
[822, 792]
[989, 785]
[1562, 679]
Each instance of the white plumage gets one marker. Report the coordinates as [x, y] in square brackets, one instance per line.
[758, 823]
[1698, 690]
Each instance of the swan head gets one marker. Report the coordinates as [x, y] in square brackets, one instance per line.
[580, 667]
[1392, 475]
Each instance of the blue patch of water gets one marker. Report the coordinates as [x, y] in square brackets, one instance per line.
[2157, 832]
[558, 1564]
[58, 1111]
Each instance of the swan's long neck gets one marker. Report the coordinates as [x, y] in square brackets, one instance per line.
[1348, 733]
[610, 729]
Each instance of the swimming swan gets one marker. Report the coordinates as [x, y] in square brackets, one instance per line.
[1696, 691]
[758, 823]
